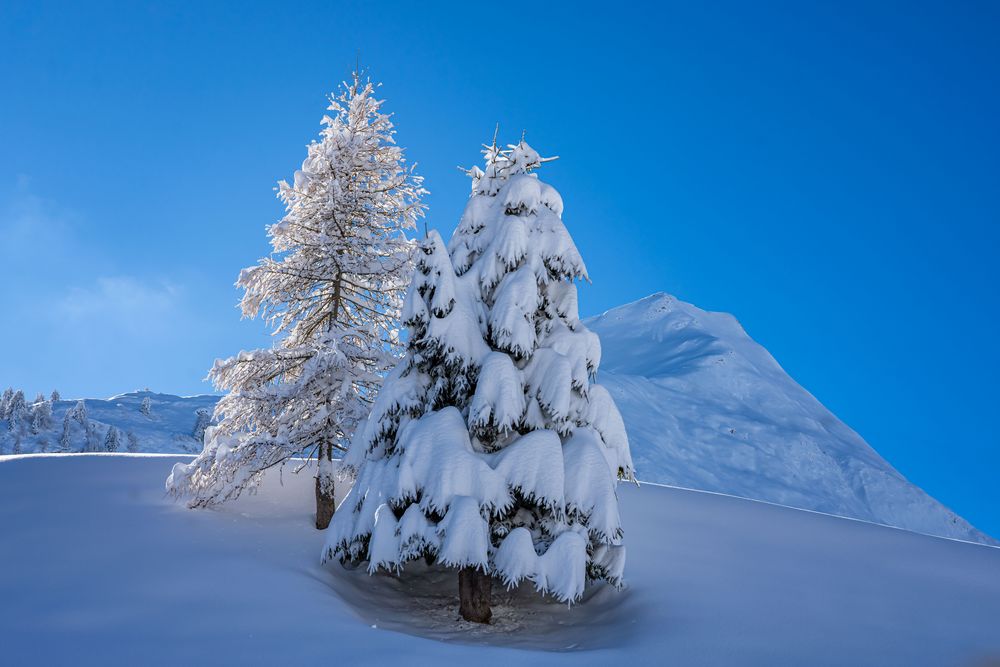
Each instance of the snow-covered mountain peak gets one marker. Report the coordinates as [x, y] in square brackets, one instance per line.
[661, 335]
[706, 407]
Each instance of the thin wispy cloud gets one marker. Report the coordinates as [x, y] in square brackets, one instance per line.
[37, 234]
[123, 302]
[77, 315]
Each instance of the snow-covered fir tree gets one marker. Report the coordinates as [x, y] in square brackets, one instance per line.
[5, 399]
[41, 416]
[133, 442]
[202, 419]
[146, 407]
[79, 414]
[490, 448]
[17, 412]
[66, 437]
[93, 440]
[113, 440]
[55, 396]
[332, 290]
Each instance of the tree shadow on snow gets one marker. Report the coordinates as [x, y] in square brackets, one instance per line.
[423, 601]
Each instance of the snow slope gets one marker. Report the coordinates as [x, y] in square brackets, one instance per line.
[167, 429]
[708, 408]
[97, 567]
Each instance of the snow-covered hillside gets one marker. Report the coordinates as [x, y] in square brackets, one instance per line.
[705, 408]
[168, 424]
[98, 567]
[708, 408]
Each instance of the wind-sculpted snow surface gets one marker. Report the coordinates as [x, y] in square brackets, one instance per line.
[100, 568]
[706, 407]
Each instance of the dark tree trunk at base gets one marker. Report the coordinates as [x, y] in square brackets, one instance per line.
[474, 590]
[325, 502]
[325, 506]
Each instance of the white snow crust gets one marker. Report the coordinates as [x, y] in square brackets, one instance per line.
[99, 567]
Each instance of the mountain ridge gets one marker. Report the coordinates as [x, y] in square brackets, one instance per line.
[707, 407]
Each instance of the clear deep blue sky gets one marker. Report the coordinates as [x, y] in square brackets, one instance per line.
[828, 172]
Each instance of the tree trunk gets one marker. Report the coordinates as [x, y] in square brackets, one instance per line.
[325, 502]
[474, 589]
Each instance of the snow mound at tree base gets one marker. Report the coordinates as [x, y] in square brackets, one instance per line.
[422, 601]
[97, 566]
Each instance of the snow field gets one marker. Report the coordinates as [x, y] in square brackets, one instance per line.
[98, 566]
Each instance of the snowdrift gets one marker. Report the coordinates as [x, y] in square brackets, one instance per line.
[99, 567]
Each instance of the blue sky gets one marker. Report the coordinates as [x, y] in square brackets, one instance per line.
[828, 172]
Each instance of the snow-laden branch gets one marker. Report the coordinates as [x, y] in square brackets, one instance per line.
[489, 446]
[331, 291]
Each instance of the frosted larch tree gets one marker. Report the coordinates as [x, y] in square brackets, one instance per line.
[332, 290]
[490, 448]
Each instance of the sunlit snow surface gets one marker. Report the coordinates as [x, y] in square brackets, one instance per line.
[99, 568]
[708, 408]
